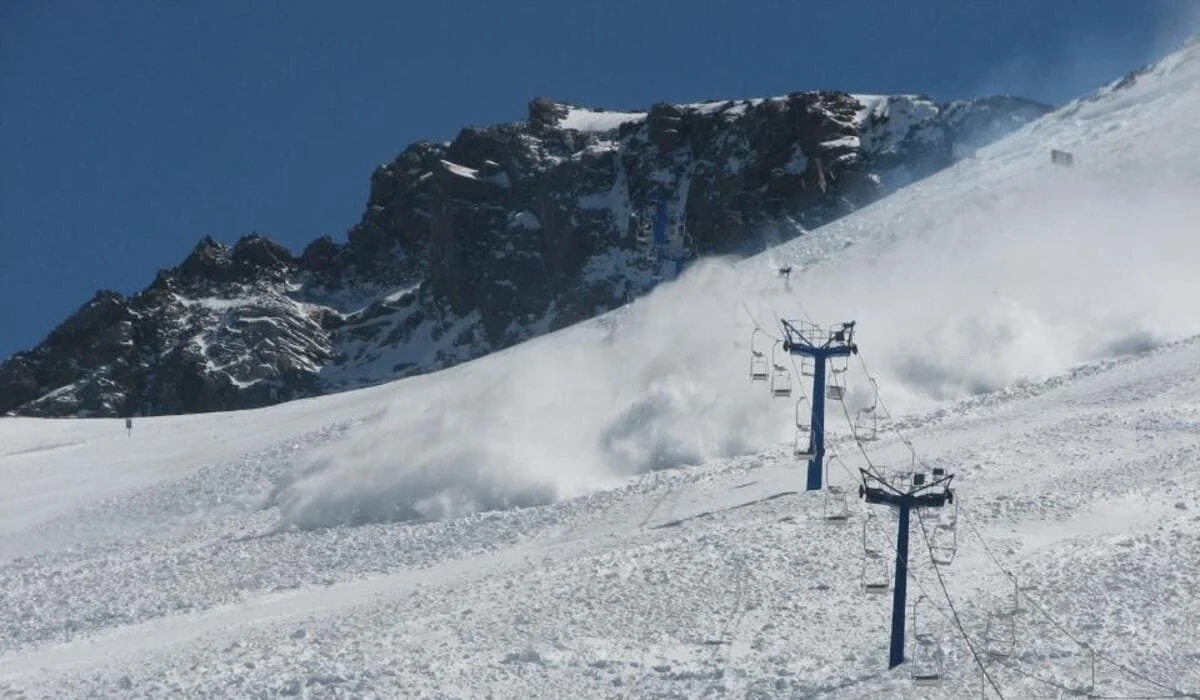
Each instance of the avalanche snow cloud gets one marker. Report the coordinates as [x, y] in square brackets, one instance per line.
[647, 388]
[1001, 270]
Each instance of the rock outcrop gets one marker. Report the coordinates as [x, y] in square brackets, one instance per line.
[504, 233]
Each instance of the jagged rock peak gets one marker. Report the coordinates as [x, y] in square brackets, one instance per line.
[320, 254]
[208, 258]
[251, 256]
[104, 309]
[260, 251]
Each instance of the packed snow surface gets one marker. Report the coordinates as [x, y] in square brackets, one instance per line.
[613, 510]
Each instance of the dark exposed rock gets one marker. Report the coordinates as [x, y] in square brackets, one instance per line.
[544, 112]
[257, 251]
[208, 260]
[476, 244]
[319, 255]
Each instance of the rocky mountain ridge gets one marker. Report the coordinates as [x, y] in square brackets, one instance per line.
[476, 244]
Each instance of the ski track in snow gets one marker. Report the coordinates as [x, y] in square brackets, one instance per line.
[209, 556]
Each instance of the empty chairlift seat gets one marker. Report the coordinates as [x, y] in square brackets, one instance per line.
[944, 536]
[1000, 632]
[926, 659]
[781, 378]
[759, 369]
[834, 390]
[876, 578]
[875, 572]
[926, 663]
[866, 424]
[836, 387]
[802, 446]
[866, 421]
[835, 507]
[781, 382]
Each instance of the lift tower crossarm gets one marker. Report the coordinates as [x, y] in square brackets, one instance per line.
[920, 494]
[809, 340]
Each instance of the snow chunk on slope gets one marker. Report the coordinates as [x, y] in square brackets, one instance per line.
[581, 119]
[500, 178]
[884, 120]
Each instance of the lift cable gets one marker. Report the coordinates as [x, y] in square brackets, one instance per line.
[1176, 693]
[1005, 570]
[1090, 695]
[757, 325]
[950, 603]
[1053, 684]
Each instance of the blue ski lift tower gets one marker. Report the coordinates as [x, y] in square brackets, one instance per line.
[815, 345]
[907, 491]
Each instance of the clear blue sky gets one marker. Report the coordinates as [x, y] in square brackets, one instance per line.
[130, 129]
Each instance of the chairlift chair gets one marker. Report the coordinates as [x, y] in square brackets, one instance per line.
[872, 535]
[1000, 634]
[920, 619]
[944, 540]
[927, 676]
[835, 507]
[876, 577]
[926, 660]
[866, 421]
[781, 382]
[834, 390]
[866, 425]
[836, 387]
[759, 371]
[781, 378]
[758, 367]
[926, 668]
[949, 516]
[944, 546]
[802, 446]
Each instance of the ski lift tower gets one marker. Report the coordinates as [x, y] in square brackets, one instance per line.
[815, 345]
[912, 490]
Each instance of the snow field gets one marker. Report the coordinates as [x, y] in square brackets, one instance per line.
[612, 510]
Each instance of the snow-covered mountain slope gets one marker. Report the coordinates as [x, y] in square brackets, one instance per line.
[612, 509]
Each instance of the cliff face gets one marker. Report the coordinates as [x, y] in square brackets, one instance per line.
[507, 232]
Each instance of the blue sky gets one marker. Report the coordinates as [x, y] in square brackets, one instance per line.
[130, 129]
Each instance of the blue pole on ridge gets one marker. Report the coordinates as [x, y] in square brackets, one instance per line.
[900, 589]
[816, 463]
[919, 493]
[660, 224]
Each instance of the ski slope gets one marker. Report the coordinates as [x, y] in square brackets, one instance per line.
[612, 510]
